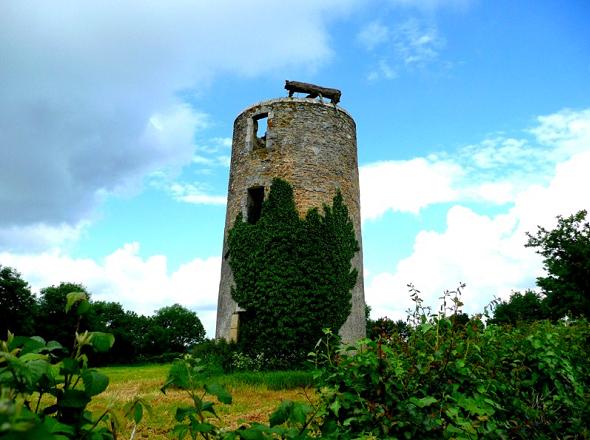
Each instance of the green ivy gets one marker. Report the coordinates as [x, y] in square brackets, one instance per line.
[292, 276]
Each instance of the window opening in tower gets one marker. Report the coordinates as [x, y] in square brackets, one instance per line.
[260, 129]
[254, 204]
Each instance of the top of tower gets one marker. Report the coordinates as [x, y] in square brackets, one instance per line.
[313, 91]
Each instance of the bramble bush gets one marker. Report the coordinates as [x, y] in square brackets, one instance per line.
[44, 391]
[453, 380]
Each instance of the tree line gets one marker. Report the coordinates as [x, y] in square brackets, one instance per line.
[160, 337]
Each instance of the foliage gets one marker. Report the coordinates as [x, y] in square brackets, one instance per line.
[17, 303]
[110, 317]
[194, 420]
[216, 355]
[527, 307]
[159, 338]
[566, 253]
[181, 328]
[462, 381]
[387, 328]
[53, 322]
[33, 371]
[292, 276]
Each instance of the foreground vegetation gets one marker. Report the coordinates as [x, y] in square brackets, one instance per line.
[440, 378]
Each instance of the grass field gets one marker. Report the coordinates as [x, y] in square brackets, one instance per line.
[255, 396]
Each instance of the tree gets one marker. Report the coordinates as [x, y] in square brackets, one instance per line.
[527, 307]
[566, 253]
[292, 276]
[17, 304]
[387, 328]
[52, 322]
[177, 328]
[110, 317]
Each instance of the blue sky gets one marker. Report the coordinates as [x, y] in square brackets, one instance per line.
[116, 118]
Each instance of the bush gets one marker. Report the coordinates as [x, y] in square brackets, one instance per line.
[462, 381]
[216, 355]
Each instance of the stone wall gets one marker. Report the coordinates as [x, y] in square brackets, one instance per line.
[311, 145]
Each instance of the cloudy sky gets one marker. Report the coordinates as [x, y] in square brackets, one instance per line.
[116, 117]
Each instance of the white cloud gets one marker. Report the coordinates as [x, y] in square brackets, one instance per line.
[139, 284]
[495, 170]
[567, 131]
[89, 102]
[405, 186]
[39, 236]
[404, 46]
[487, 252]
[373, 34]
[417, 43]
[383, 70]
[196, 194]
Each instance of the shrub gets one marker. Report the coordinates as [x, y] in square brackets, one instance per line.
[216, 355]
[462, 381]
[33, 370]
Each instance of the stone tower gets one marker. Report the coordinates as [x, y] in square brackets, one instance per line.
[311, 145]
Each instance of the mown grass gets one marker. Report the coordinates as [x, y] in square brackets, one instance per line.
[255, 396]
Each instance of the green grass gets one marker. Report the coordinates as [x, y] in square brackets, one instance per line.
[136, 372]
[272, 380]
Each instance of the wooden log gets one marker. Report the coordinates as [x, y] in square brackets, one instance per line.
[313, 91]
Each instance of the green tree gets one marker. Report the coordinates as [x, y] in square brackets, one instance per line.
[566, 253]
[177, 328]
[387, 328]
[527, 307]
[17, 304]
[52, 322]
[110, 317]
[292, 276]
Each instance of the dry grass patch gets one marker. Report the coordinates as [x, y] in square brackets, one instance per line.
[251, 403]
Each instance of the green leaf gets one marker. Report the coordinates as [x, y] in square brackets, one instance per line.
[202, 427]
[137, 412]
[54, 345]
[55, 427]
[32, 345]
[73, 399]
[423, 402]
[253, 433]
[335, 407]
[220, 392]
[69, 366]
[183, 411]
[299, 413]
[281, 414]
[180, 431]
[83, 307]
[94, 382]
[73, 298]
[101, 342]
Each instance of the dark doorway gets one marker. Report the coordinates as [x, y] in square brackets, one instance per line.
[255, 199]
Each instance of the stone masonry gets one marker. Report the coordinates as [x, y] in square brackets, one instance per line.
[311, 145]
